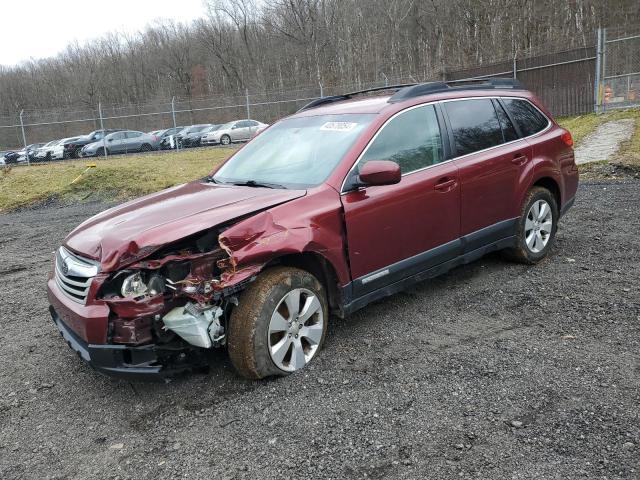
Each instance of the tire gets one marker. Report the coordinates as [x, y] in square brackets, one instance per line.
[225, 140]
[146, 147]
[537, 227]
[76, 153]
[258, 325]
[99, 152]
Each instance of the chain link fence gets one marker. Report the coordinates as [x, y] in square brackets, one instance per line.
[593, 78]
[618, 68]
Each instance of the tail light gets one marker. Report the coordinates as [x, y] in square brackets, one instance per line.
[567, 138]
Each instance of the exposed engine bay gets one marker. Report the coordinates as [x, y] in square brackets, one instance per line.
[179, 291]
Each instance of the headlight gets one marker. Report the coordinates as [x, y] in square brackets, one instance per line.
[139, 284]
[133, 286]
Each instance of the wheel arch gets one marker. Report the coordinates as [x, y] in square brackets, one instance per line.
[552, 185]
[318, 266]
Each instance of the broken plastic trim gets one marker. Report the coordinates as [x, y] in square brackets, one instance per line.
[196, 325]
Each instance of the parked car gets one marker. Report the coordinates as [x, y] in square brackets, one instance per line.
[190, 136]
[236, 131]
[73, 148]
[167, 137]
[43, 154]
[126, 141]
[343, 203]
[61, 150]
[20, 156]
[206, 132]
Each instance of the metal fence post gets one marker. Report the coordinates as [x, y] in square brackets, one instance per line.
[515, 66]
[173, 110]
[596, 85]
[321, 92]
[24, 138]
[603, 67]
[246, 92]
[104, 134]
[173, 115]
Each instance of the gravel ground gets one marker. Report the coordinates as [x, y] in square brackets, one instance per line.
[494, 370]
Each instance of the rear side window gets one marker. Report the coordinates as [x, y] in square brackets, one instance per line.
[133, 134]
[528, 117]
[411, 139]
[508, 129]
[474, 124]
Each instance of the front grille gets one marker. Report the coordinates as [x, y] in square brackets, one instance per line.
[74, 274]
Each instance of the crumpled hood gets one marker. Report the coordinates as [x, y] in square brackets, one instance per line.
[134, 230]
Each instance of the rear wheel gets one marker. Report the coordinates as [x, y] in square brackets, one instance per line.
[536, 227]
[279, 325]
[225, 140]
[145, 147]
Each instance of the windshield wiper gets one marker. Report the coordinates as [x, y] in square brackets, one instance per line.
[211, 179]
[253, 183]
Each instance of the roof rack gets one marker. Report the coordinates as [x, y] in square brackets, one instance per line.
[411, 90]
[468, 84]
[346, 96]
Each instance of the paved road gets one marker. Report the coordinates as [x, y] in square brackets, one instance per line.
[495, 370]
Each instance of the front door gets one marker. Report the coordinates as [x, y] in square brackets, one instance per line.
[396, 231]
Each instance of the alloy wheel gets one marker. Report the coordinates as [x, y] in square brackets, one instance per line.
[538, 226]
[295, 329]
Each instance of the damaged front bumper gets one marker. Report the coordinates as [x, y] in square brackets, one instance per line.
[134, 363]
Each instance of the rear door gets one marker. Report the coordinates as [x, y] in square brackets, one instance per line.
[396, 231]
[133, 141]
[115, 143]
[252, 127]
[240, 132]
[492, 161]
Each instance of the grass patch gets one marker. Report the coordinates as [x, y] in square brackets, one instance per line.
[582, 125]
[629, 153]
[117, 177]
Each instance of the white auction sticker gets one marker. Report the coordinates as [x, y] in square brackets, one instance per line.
[338, 126]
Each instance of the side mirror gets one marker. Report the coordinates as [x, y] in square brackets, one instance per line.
[110, 140]
[379, 172]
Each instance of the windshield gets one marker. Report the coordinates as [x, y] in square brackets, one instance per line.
[296, 152]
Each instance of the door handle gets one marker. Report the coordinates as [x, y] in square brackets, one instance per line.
[445, 184]
[519, 159]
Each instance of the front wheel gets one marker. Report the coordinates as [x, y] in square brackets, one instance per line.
[225, 140]
[537, 227]
[279, 324]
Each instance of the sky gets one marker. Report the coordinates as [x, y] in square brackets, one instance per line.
[42, 28]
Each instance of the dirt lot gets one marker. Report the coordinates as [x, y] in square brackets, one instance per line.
[495, 370]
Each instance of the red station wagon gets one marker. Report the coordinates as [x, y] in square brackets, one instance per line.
[345, 202]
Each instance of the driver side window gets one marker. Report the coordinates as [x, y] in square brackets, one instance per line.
[411, 139]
